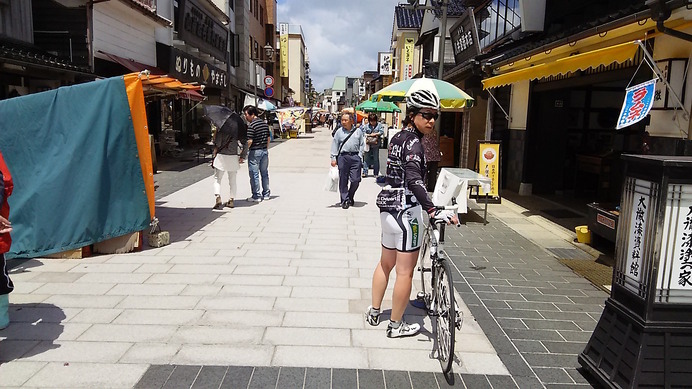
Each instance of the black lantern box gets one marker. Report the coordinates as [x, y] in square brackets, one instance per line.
[644, 336]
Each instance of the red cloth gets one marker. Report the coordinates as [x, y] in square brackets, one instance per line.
[5, 240]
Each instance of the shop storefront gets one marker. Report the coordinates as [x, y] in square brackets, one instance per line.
[563, 102]
[42, 46]
[184, 115]
[198, 55]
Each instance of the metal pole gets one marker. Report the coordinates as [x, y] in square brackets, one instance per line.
[443, 38]
[254, 80]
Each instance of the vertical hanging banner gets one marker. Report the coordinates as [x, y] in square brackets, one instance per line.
[283, 49]
[639, 217]
[638, 102]
[408, 58]
[489, 166]
[385, 64]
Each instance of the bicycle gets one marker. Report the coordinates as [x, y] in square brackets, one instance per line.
[437, 293]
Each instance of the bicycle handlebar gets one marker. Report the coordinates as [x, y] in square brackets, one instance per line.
[453, 207]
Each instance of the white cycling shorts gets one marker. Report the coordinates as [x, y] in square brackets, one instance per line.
[402, 230]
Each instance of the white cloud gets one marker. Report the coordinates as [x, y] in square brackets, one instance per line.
[342, 38]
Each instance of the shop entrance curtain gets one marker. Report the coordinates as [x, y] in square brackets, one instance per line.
[78, 175]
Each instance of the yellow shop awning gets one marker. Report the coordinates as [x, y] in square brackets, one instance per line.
[606, 56]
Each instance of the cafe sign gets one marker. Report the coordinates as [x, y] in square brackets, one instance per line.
[464, 36]
[201, 29]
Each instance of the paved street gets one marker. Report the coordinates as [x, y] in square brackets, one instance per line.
[273, 294]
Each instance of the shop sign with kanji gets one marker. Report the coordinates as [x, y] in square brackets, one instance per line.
[637, 231]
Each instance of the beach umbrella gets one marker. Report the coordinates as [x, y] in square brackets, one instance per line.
[367, 106]
[450, 96]
[378, 106]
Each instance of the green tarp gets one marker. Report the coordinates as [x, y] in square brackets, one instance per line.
[73, 157]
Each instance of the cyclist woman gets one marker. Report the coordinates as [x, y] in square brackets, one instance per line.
[402, 221]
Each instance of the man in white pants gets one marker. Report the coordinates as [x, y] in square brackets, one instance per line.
[229, 153]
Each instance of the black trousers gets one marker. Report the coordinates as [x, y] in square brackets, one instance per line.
[349, 171]
[6, 285]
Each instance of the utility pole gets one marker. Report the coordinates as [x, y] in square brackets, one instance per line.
[443, 38]
[416, 4]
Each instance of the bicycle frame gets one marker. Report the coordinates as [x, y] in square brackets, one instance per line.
[437, 242]
[442, 307]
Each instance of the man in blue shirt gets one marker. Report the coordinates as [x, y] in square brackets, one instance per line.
[373, 132]
[347, 153]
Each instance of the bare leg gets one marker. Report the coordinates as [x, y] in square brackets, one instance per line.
[405, 264]
[380, 277]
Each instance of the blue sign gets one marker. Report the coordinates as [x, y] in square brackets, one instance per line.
[269, 91]
[638, 101]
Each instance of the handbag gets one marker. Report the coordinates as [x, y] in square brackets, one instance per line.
[230, 139]
[391, 199]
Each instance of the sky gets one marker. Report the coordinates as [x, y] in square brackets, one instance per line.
[342, 37]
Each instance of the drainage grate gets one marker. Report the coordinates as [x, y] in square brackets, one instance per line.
[569, 253]
[599, 275]
[561, 213]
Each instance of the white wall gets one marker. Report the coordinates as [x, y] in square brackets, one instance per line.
[296, 68]
[519, 105]
[164, 8]
[123, 31]
[668, 122]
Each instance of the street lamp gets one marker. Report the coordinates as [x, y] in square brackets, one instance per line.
[269, 53]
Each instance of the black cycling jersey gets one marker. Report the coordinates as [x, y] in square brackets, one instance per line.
[406, 165]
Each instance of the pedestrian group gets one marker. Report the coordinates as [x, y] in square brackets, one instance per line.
[232, 147]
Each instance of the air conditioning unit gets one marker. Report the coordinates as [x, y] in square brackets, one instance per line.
[532, 13]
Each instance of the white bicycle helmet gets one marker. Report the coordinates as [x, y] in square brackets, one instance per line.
[422, 99]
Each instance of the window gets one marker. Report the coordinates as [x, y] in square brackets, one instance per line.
[256, 50]
[499, 19]
[251, 3]
[235, 50]
[261, 18]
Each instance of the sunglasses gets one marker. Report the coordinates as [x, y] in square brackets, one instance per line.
[429, 115]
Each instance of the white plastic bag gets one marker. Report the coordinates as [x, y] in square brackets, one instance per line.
[332, 183]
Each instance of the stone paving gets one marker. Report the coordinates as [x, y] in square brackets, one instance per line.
[279, 284]
[272, 295]
[537, 313]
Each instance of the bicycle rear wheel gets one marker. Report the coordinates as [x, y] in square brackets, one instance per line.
[425, 268]
[446, 320]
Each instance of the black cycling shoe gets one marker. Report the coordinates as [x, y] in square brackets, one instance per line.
[345, 204]
[351, 202]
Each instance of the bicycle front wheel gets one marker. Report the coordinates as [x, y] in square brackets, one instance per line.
[446, 320]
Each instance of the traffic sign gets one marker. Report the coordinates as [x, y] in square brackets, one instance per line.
[268, 80]
[269, 91]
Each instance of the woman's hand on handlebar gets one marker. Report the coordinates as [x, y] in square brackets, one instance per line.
[446, 215]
